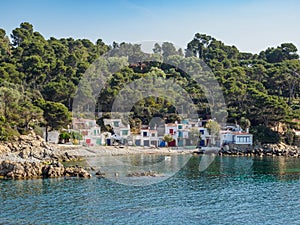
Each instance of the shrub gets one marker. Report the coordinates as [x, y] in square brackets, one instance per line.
[289, 136]
[6, 132]
[265, 135]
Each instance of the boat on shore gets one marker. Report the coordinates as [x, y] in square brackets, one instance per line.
[207, 150]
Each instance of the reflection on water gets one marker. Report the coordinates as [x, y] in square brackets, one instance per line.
[232, 190]
[120, 168]
[273, 167]
[117, 168]
[280, 168]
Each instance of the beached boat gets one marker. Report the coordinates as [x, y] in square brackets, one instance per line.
[207, 150]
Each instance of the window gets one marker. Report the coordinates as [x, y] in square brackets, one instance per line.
[116, 123]
[179, 126]
[145, 134]
[248, 139]
[243, 139]
[202, 131]
[153, 134]
[125, 132]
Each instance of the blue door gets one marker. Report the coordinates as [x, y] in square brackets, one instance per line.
[202, 143]
[138, 142]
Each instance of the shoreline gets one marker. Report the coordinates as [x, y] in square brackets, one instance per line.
[82, 151]
[29, 156]
[269, 150]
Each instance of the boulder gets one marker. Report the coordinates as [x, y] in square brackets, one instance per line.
[30, 156]
[53, 170]
[77, 172]
[143, 174]
[20, 170]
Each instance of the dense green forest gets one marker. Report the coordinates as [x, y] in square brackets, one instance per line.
[39, 79]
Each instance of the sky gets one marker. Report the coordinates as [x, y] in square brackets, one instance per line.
[251, 25]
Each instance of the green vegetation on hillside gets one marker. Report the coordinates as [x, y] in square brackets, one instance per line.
[39, 79]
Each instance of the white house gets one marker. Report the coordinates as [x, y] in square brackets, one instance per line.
[80, 123]
[183, 134]
[124, 132]
[243, 138]
[93, 136]
[205, 137]
[236, 137]
[118, 127]
[172, 129]
[89, 129]
[148, 137]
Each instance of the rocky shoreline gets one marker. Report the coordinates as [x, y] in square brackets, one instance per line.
[24, 170]
[29, 156]
[280, 149]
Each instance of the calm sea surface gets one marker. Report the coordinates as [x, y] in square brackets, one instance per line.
[232, 190]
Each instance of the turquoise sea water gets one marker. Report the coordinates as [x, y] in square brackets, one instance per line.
[233, 190]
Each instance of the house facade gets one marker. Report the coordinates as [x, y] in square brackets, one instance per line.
[235, 135]
[172, 129]
[118, 127]
[89, 129]
[147, 137]
[183, 134]
[206, 138]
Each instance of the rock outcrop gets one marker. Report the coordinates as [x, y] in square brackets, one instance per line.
[29, 156]
[143, 174]
[33, 146]
[19, 170]
[280, 149]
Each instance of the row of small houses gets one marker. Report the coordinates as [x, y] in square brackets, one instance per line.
[180, 133]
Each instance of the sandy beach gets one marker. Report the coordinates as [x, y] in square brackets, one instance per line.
[82, 151]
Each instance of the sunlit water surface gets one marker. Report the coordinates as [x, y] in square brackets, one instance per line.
[233, 190]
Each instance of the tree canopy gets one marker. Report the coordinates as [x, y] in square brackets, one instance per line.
[260, 89]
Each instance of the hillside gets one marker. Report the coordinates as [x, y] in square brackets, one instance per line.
[39, 79]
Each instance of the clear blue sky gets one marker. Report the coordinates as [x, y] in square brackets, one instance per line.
[251, 25]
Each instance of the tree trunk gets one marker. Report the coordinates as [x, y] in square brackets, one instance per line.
[46, 137]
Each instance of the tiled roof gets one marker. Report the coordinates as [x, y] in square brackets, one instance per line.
[240, 133]
[171, 124]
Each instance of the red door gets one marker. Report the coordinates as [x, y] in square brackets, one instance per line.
[172, 143]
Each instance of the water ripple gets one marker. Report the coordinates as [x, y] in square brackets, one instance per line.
[230, 191]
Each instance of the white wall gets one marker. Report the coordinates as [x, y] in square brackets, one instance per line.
[227, 138]
[53, 136]
[245, 139]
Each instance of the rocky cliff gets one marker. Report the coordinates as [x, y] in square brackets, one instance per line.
[29, 156]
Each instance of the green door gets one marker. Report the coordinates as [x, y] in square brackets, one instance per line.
[98, 141]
